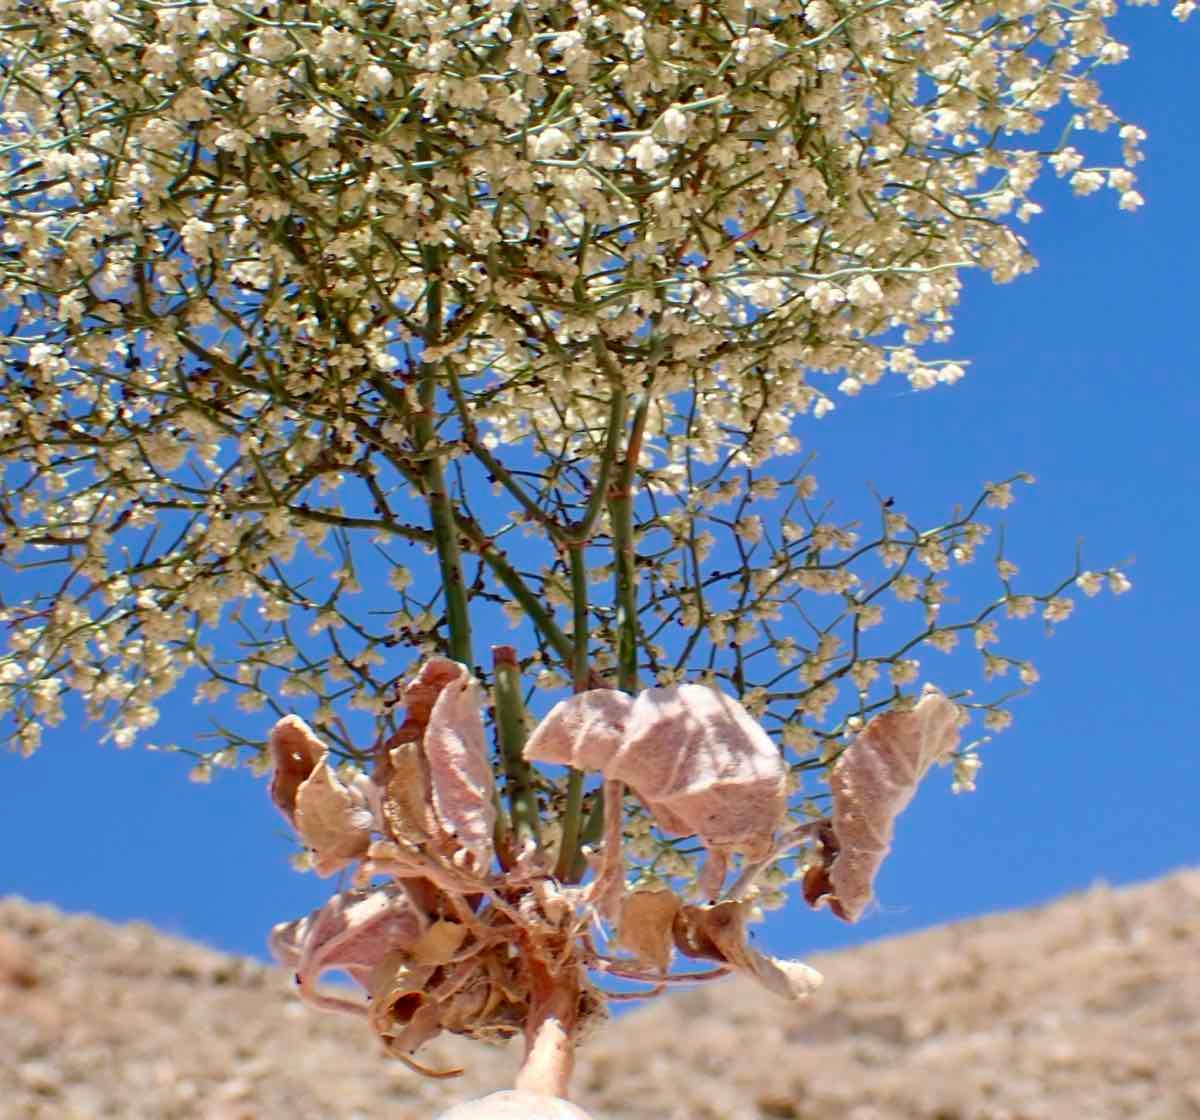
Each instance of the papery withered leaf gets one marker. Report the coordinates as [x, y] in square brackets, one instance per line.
[791, 979]
[295, 752]
[397, 991]
[353, 931]
[717, 932]
[644, 926]
[584, 731]
[695, 756]
[439, 944]
[817, 886]
[460, 773]
[421, 693]
[491, 1004]
[872, 782]
[421, 1024]
[332, 819]
[703, 765]
[407, 809]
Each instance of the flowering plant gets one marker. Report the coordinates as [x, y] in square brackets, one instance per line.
[297, 295]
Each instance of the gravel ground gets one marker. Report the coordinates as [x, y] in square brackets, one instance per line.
[1086, 1009]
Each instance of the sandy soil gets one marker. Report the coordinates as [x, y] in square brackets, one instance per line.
[1087, 1009]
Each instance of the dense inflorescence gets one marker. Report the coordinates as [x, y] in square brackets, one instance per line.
[255, 256]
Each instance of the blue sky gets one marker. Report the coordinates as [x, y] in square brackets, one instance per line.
[1084, 374]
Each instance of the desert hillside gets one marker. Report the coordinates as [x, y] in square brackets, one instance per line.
[1086, 1009]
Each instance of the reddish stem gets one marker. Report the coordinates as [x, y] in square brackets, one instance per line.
[550, 1028]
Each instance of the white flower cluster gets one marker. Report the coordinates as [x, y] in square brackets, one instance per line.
[251, 256]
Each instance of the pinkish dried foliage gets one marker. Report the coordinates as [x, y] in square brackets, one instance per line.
[872, 783]
[694, 756]
[460, 941]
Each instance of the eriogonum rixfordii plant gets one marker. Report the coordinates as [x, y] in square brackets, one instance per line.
[334, 334]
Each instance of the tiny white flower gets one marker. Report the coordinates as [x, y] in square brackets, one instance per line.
[647, 154]
[965, 768]
[1058, 609]
[1006, 569]
[1118, 582]
[999, 495]
[675, 124]
[1019, 606]
[997, 720]
[864, 291]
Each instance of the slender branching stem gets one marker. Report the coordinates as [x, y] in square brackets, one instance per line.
[620, 513]
[617, 410]
[441, 512]
[568, 852]
[534, 608]
[510, 730]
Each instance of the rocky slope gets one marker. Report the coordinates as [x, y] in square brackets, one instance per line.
[1086, 1009]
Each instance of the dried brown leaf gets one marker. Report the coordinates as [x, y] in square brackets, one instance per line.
[460, 773]
[353, 932]
[421, 693]
[332, 819]
[584, 731]
[645, 924]
[417, 1017]
[703, 765]
[439, 944]
[793, 980]
[295, 752]
[872, 782]
[406, 806]
[491, 1004]
[717, 932]
[697, 759]
[397, 992]
[712, 933]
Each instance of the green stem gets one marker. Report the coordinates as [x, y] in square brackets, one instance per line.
[441, 513]
[510, 728]
[620, 514]
[535, 610]
[617, 409]
[579, 617]
[620, 511]
[569, 850]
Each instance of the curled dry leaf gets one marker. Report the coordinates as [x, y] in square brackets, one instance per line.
[421, 693]
[717, 932]
[352, 932]
[872, 782]
[401, 1013]
[295, 752]
[645, 924]
[460, 772]
[334, 820]
[584, 731]
[483, 996]
[695, 757]
[436, 776]
[406, 804]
